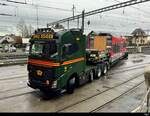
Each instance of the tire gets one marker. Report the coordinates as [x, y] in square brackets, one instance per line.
[99, 72]
[91, 76]
[71, 85]
[105, 69]
[108, 66]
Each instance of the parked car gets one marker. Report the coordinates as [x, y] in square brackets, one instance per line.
[1, 49]
[6, 49]
[12, 49]
[27, 49]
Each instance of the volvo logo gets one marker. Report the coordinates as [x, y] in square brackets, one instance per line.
[39, 72]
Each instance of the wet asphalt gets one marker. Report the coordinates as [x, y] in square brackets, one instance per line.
[121, 90]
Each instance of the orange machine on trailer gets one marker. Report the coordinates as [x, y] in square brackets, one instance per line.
[105, 41]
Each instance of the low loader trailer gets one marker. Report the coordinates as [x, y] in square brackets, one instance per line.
[59, 61]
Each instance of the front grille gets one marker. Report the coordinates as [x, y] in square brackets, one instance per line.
[47, 73]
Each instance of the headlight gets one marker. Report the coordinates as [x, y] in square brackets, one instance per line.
[100, 55]
[54, 85]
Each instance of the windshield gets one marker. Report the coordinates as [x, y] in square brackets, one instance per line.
[44, 49]
[94, 52]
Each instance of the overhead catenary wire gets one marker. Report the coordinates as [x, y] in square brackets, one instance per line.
[5, 14]
[35, 22]
[148, 13]
[34, 5]
[105, 9]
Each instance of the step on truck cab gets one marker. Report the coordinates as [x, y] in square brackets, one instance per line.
[57, 61]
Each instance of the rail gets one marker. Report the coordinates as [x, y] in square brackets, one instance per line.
[141, 106]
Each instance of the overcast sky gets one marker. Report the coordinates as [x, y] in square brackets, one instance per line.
[120, 21]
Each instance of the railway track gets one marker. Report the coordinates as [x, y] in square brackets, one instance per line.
[99, 108]
[132, 66]
[4, 57]
[27, 86]
[23, 76]
[99, 93]
[22, 92]
[114, 72]
[127, 69]
[11, 67]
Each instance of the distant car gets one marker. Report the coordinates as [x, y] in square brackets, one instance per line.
[12, 49]
[27, 49]
[6, 49]
[1, 49]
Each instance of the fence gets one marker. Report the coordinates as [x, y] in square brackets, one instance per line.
[141, 49]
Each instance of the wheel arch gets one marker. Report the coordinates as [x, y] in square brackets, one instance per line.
[76, 78]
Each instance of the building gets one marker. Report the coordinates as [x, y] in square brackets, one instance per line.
[11, 39]
[139, 37]
[25, 40]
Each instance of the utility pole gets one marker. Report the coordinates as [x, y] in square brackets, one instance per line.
[37, 17]
[68, 24]
[82, 28]
[73, 8]
[78, 23]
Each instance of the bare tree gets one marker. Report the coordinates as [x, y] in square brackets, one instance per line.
[22, 28]
[30, 30]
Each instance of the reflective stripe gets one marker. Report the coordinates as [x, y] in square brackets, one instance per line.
[52, 64]
[40, 62]
[73, 61]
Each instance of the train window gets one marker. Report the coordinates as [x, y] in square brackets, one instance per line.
[109, 41]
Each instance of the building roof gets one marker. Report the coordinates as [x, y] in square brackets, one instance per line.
[11, 39]
[138, 32]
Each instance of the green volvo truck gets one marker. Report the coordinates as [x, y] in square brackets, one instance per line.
[59, 61]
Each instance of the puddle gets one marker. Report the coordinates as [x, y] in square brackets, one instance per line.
[108, 77]
[137, 60]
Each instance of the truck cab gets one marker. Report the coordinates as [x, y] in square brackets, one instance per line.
[56, 59]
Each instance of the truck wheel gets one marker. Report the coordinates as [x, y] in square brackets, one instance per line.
[105, 69]
[91, 76]
[71, 85]
[99, 72]
[108, 66]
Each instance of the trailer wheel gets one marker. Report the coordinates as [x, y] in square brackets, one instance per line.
[91, 76]
[105, 69]
[108, 66]
[71, 85]
[99, 72]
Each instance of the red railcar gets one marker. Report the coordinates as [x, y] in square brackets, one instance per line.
[117, 48]
[106, 41]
